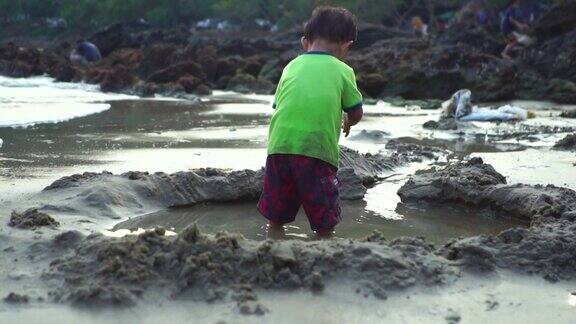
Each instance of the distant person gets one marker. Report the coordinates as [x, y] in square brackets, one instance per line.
[85, 53]
[419, 27]
[515, 25]
[316, 97]
[474, 13]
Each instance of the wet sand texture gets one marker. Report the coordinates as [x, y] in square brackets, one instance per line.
[109, 195]
[476, 183]
[120, 271]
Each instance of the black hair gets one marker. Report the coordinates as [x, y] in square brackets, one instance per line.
[334, 24]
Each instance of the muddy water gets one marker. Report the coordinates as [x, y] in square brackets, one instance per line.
[229, 131]
[380, 210]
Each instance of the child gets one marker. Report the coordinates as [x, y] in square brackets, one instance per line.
[515, 25]
[303, 153]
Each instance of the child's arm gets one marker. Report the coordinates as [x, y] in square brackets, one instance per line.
[351, 103]
[350, 119]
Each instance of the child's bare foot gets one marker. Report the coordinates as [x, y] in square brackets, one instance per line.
[275, 231]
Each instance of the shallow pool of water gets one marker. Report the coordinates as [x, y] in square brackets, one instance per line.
[381, 210]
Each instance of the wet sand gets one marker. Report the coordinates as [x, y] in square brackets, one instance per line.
[505, 299]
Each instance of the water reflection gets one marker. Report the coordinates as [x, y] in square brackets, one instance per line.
[436, 223]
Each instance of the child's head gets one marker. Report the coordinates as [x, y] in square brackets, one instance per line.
[330, 28]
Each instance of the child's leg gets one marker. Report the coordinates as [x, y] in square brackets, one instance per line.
[318, 191]
[275, 231]
[508, 48]
[279, 201]
[325, 234]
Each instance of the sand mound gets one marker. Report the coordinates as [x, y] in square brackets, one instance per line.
[568, 143]
[31, 219]
[476, 183]
[104, 271]
[132, 193]
[118, 271]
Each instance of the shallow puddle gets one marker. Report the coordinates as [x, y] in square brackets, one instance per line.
[436, 223]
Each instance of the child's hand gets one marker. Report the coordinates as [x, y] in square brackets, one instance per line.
[346, 125]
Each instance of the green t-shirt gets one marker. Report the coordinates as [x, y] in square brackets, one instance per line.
[313, 91]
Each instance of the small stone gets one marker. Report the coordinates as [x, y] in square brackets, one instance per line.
[14, 298]
[252, 308]
[191, 233]
[317, 282]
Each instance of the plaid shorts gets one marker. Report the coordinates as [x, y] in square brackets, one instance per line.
[292, 181]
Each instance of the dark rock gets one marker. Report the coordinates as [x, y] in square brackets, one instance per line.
[562, 91]
[155, 58]
[14, 298]
[31, 219]
[190, 83]
[101, 296]
[117, 79]
[372, 84]
[368, 34]
[568, 143]
[64, 72]
[225, 68]
[431, 124]
[110, 38]
[252, 66]
[316, 282]
[568, 113]
[558, 20]
[245, 83]
[207, 58]
[252, 308]
[174, 72]
[16, 69]
[203, 90]
[442, 124]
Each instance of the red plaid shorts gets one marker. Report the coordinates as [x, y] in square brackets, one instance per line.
[292, 181]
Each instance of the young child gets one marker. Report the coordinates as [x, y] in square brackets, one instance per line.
[303, 153]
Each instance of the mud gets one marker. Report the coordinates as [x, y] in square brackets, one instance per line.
[32, 219]
[476, 183]
[119, 272]
[124, 271]
[568, 143]
[109, 195]
[101, 271]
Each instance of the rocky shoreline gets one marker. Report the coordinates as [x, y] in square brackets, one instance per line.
[144, 61]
